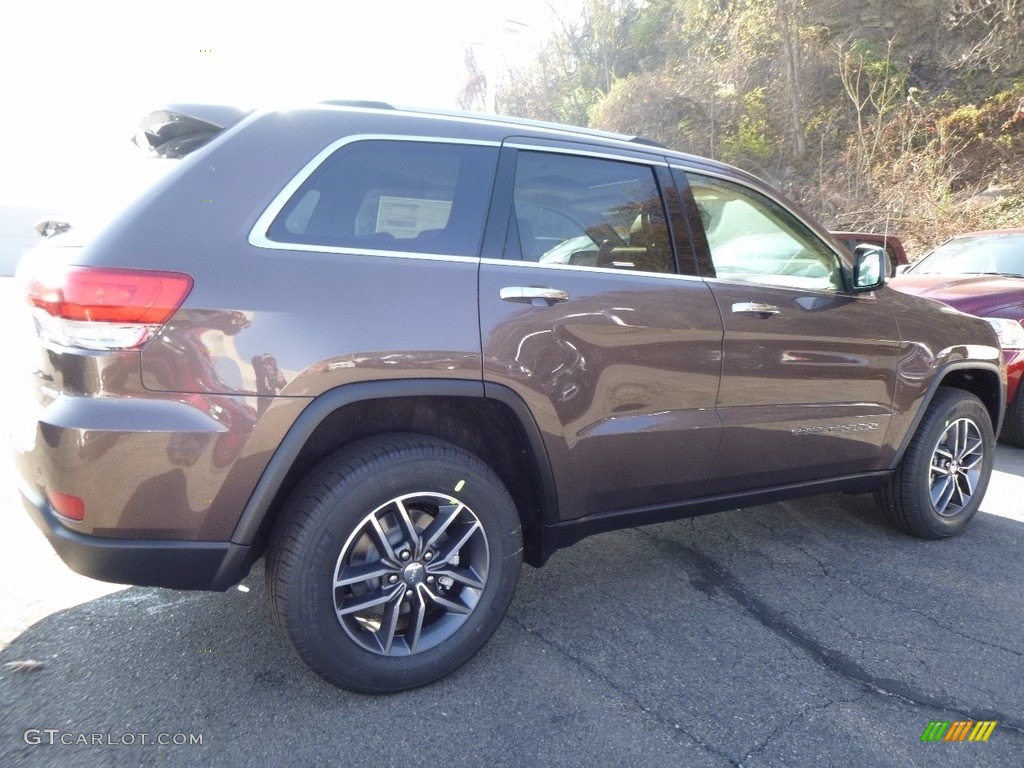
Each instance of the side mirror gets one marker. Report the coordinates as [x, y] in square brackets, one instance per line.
[870, 268]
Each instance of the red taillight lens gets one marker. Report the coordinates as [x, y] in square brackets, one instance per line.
[104, 308]
[104, 295]
[67, 505]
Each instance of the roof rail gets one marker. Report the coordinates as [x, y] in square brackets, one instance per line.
[357, 103]
[505, 119]
[647, 142]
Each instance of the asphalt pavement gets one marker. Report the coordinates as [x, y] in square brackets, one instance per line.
[795, 634]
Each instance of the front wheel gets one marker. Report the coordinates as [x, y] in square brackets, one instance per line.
[941, 480]
[394, 562]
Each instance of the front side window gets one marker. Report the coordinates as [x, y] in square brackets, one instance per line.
[751, 238]
[588, 212]
[418, 196]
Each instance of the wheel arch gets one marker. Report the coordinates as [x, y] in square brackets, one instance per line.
[496, 426]
[983, 380]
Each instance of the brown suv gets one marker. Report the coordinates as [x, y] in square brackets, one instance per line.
[400, 353]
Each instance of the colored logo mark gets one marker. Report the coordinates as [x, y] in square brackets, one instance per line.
[959, 730]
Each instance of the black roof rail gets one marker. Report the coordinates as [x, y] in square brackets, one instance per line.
[531, 123]
[647, 142]
[365, 104]
[502, 119]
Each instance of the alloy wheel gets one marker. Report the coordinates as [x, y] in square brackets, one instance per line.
[410, 574]
[956, 467]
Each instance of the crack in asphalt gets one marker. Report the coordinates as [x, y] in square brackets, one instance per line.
[827, 572]
[674, 728]
[936, 622]
[793, 721]
[710, 578]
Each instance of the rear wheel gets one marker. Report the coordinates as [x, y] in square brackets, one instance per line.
[938, 486]
[394, 562]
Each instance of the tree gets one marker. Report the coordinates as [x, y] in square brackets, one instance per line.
[473, 94]
[875, 84]
[787, 11]
[995, 29]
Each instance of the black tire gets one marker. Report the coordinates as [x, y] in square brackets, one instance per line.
[439, 544]
[1012, 432]
[941, 480]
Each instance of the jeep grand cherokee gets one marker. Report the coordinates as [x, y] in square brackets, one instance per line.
[398, 353]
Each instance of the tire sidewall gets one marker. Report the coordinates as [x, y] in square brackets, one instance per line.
[1013, 422]
[387, 476]
[971, 408]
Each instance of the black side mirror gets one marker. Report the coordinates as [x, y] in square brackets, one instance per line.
[870, 268]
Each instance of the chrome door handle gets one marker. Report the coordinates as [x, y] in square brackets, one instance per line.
[754, 308]
[529, 294]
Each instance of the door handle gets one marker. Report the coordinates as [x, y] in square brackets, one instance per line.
[754, 308]
[532, 294]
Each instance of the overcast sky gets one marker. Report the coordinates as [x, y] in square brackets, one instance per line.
[78, 75]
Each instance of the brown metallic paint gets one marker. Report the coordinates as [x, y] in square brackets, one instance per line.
[622, 380]
[826, 359]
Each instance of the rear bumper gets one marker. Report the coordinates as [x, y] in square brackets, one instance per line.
[210, 565]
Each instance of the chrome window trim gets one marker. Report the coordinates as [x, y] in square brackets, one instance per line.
[824, 292]
[424, 255]
[258, 233]
[574, 268]
[649, 162]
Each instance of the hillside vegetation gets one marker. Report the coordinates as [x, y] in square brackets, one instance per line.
[904, 116]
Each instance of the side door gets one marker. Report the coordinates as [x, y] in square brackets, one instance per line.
[809, 367]
[587, 318]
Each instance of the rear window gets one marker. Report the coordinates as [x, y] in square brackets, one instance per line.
[417, 196]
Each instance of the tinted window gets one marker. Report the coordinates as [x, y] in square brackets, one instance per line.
[393, 195]
[754, 239]
[588, 212]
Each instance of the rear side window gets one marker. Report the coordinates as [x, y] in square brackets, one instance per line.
[588, 212]
[418, 196]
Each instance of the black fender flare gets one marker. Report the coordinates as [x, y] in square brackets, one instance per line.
[933, 387]
[270, 482]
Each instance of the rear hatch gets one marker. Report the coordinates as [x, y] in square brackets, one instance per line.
[82, 310]
[165, 134]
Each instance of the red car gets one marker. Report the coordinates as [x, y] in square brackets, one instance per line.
[982, 273]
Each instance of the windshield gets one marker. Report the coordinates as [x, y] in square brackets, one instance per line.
[990, 254]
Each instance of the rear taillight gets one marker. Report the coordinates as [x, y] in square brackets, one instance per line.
[103, 307]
